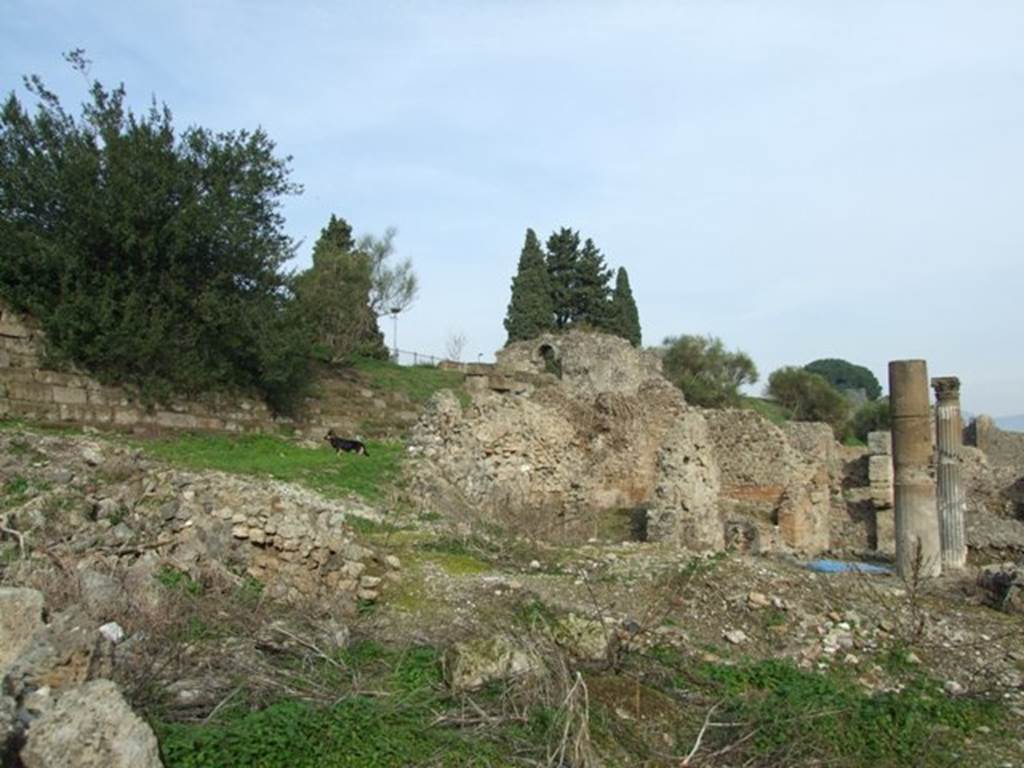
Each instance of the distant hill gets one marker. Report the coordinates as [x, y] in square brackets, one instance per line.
[1013, 423]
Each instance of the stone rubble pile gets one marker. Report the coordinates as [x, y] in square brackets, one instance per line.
[295, 542]
[54, 712]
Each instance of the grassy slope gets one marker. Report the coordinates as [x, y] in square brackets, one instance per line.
[262, 455]
[417, 382]
[772, 411]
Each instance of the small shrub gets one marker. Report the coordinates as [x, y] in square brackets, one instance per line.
[870, 417]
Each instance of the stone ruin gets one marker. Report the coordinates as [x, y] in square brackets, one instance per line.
[568, 433]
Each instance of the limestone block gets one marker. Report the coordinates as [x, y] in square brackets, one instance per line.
[127, 416]
[176, 420]
[880, 442]
[91, 726]
[475, 663]
[38, 393]
[13, 330]
[585, 638]
[21, 618]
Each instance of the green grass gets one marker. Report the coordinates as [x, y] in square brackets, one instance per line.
[791, 716]
[417, 382]
[263, 455]
[173, 579]
[393, 727]
[14, 492]
[772, 411]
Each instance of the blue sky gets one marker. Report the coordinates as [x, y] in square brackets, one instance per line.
[803, 179]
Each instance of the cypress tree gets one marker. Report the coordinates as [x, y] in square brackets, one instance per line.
[530, 310]
[625, 320]
[590, 291]
[563, 255]
[336, 237]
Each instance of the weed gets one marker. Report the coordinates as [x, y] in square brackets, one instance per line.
[250, 589]
[16, 486]
[179, 581]
[789, 716]
[396, 726]
[368, 527]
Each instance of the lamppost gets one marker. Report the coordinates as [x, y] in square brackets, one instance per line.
[394, 329]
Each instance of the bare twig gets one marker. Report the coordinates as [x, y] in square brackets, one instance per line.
[16, 534]
[220, 704]
[700, 734]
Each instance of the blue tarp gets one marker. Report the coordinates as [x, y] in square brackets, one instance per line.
[842, 566]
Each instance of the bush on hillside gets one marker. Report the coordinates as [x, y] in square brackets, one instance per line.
[809, 397]
[708, 374]
[149, 256]
[870, 417]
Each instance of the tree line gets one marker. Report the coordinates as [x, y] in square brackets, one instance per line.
[157, 257]
[568, 285]
[827, 390]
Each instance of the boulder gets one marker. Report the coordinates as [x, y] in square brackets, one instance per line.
[21, 619]
[1004, 583]
[586, 639]
[473, 664]
[8, 727]
[91, 726]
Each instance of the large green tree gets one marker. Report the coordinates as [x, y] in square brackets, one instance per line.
[334, 294]
[563, 253]
[625, 320]
[149, 255]
[590, 293]
[708, 374]
[530, 310]
[844, 375]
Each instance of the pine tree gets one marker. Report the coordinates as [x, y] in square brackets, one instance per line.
[562, 258]
[590, 291]
[625, 320]
[530, 310]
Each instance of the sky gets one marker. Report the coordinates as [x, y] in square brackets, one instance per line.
[803, 179]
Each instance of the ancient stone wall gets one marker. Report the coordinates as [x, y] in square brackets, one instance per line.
[586, 363]
[551, 446]
[777, 483]
[32, 390]
[566, 428]
[1005, 449]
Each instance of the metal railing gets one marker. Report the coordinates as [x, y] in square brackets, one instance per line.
[407, 357]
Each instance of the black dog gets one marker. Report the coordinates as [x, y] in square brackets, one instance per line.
[340, 444]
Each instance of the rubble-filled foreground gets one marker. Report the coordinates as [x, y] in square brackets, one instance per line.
[115, 545]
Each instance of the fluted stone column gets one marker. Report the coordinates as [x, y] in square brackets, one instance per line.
[951, 501]
[918, 549]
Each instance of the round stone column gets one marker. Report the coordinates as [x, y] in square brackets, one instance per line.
[918, 549]
[951, 500]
